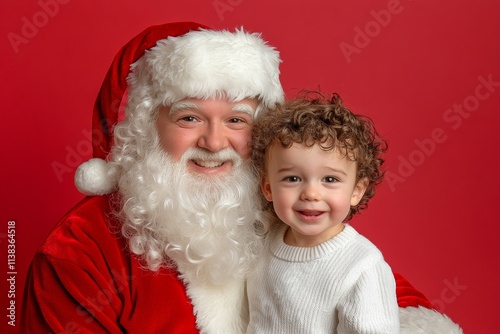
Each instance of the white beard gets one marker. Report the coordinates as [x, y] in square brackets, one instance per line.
[202, 225]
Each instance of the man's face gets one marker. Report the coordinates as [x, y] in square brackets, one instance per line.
[211, 125]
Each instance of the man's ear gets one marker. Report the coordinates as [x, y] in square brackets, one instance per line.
[265, 187]
[359, 191]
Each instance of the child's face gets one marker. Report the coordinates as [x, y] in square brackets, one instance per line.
[312, 191]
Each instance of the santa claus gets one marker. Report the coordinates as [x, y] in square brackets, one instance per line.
[166, 237]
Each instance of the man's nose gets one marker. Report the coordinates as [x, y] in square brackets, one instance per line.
[214, 138]
[310, 192]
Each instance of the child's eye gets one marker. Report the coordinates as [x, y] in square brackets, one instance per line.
[291, 179]
[330, 179]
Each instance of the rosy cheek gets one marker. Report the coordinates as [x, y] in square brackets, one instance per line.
[243, 147]
[282, 201]
[245, 153]
[174, 144]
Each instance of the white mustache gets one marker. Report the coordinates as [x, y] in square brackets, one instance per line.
[212, 158]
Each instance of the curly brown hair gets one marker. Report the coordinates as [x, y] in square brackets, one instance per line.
[314, 119]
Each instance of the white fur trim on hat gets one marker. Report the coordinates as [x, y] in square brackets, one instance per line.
[95, 177]
[421, 320]
[204, 64]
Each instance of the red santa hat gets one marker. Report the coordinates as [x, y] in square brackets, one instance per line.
[166, 63]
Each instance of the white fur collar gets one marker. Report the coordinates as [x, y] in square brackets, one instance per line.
[219, 309]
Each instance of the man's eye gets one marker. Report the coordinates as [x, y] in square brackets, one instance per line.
[236, 120]
[188, 119]
[330, 179]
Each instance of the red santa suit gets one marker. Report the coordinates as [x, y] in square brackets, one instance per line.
[84, 279]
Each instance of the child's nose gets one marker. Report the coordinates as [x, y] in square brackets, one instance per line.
[310, 193]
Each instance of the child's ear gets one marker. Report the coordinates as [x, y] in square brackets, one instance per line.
[265, 187]
[359, 191]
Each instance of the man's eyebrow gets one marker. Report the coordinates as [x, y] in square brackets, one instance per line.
[244, 108]
[182, 105]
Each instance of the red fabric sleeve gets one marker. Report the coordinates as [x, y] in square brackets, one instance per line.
[60, 300]
[84, 280]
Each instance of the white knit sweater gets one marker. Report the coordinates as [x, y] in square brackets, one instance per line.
[340, 286]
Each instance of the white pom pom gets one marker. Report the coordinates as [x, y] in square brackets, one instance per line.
[95, 177]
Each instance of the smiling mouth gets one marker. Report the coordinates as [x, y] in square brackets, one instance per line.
[208, 163]
[311, 214]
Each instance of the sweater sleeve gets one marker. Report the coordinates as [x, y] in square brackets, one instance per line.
[371, 305]
[61, 297]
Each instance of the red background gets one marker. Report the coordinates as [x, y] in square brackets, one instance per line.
[436, 220]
